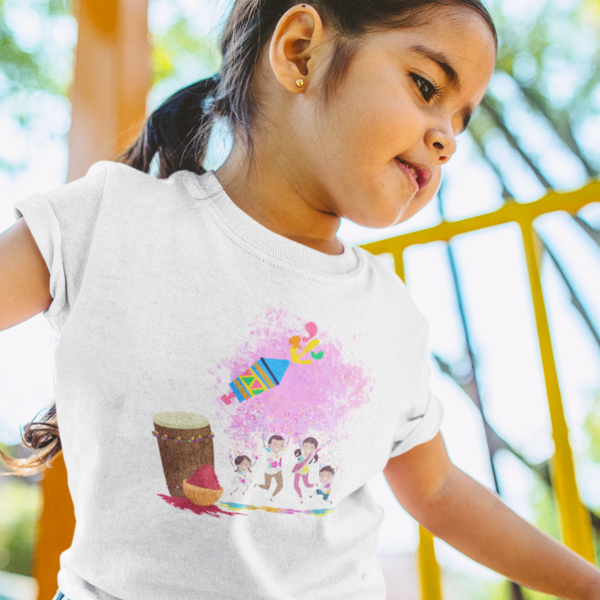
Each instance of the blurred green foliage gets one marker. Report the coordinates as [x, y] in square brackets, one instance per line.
[592, 428]
[21, 504]
[36, 39]
[26, 40]
[592, 454]
[545, 94]
[180, 50]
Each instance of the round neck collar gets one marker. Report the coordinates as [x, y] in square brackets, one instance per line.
[273, 244]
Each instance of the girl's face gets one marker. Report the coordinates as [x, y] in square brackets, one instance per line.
[307, 448]
[406, 95]
[244, 465]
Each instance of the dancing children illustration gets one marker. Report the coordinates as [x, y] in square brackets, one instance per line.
[275, 449]
[306, 454]
[326, 475]
[243, 465]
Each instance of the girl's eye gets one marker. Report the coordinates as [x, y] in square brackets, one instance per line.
[428, 90]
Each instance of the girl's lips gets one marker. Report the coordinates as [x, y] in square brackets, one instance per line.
[424, 171]
[408, 173]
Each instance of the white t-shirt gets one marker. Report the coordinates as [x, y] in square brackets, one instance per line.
[184, 330]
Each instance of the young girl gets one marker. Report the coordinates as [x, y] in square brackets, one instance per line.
[337, 108]
[242, 466]
[306, 454]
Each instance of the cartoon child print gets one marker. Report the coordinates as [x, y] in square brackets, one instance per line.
[326, 474]
[275, 449]
[306, 454]
[243, 465]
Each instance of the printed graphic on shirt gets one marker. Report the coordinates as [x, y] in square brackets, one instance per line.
[284, 402]
[185, 443]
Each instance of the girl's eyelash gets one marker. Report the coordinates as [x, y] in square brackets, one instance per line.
[428, 89]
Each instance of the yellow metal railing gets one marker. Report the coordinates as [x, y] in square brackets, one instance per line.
[574, 518]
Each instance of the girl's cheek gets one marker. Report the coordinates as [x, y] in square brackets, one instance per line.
[434, 184]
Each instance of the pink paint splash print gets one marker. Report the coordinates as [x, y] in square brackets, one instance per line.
[315, 396]
[289, 379]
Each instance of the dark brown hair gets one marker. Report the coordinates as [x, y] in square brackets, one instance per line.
[42, 435]
[179, 130]
[240, 459]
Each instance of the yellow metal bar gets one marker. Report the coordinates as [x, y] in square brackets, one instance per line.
[429, 571]
[398, 255]
[570, 202]
[575, 521]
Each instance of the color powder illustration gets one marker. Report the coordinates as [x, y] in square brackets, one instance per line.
[205, 477]
[317, 394]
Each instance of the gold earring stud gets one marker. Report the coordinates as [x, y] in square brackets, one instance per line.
[300, 82]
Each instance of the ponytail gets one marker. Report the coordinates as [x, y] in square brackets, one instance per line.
[178, 130]
[42, 435]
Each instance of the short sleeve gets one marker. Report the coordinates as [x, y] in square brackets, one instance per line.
[421, 421]
[62, 223]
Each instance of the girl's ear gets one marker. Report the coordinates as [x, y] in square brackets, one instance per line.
[294, 45]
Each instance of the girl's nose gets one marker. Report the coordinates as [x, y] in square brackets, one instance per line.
[441, 143]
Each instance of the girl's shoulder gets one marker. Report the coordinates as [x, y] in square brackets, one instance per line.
[122, 179]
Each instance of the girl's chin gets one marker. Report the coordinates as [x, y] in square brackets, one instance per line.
[380, 221]
[384, 212]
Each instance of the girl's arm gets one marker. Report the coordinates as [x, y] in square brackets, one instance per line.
[474, 520]
[24, 276]
[321, 448]
[299, 465]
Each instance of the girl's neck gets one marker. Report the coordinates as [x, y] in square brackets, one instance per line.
[276, 198]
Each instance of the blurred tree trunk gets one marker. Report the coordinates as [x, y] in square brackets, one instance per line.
[111, 82]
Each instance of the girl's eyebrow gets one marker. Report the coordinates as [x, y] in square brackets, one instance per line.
[440, 59]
